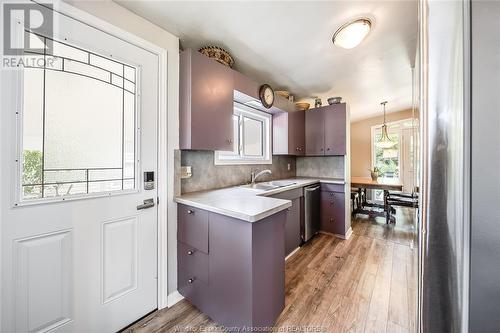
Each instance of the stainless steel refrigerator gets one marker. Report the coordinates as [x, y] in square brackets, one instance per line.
[460, 153]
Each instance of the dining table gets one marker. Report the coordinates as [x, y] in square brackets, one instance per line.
[367, 183]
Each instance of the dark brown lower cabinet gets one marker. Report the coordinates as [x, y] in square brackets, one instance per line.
[333, 209]
[294, 216]
[243, 283]
[292, 227]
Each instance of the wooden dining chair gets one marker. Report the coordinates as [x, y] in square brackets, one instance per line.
[401, 199]
[354, 202]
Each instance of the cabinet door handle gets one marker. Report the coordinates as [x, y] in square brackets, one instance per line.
[191, 280]
[327, 148]
[190, 211]
[190, 252]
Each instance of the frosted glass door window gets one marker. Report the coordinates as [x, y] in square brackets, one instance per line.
[79, 125]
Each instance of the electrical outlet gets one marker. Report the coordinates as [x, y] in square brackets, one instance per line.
[288, 166]
[186, 172]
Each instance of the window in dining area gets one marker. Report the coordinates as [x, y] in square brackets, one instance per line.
[396, 161]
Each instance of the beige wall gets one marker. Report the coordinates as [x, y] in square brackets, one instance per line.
[361, 141]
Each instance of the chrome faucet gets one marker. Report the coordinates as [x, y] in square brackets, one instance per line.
[255, 175]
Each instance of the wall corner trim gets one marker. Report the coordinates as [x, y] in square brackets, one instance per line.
[174, 298]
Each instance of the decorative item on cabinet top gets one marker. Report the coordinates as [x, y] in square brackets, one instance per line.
[303, 106]
[317, 102]
[286, 94]
[283, 93]
[334, 100]
[219, 54]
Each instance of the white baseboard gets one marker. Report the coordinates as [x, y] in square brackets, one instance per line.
[174, 298]
[292, 253]
[347, 235]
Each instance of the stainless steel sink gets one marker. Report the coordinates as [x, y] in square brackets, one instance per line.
[267, 186]
[260, 186]
[281, 183]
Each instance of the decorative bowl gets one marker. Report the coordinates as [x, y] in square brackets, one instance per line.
[334, 100]
[218, 54]
[283, 93]
[303, 106]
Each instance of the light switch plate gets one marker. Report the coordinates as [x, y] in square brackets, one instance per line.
[186, 172]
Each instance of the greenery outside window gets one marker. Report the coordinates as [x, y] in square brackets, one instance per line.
[386, 160]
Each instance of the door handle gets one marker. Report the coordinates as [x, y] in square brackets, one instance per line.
[148, 203]
[310, 189]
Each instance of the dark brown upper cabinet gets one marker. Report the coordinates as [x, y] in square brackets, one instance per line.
[315, 133]
[206, 103]
[289, 133]
[325, 130]
[335, 129]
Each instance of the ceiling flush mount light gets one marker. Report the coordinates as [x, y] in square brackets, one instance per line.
[385, 142]
[352, 34]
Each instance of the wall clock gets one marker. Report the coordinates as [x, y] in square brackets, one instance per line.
[266, 95]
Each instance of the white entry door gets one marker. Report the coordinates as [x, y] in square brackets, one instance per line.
[78, 254]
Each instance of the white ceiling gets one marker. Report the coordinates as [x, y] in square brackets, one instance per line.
[288, 44]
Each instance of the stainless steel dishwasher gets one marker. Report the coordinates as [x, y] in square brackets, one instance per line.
[311, 212]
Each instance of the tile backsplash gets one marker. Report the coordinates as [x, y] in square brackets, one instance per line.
[208, 176]
[327, 166]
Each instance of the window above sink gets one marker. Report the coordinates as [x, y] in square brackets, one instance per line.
[252, 138]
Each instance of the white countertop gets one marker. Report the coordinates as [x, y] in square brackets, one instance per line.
[247, 204]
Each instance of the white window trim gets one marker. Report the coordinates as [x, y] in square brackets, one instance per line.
[231, 158]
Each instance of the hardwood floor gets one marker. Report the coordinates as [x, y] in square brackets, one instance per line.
[364, 284]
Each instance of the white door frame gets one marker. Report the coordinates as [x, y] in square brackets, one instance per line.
[164, 146]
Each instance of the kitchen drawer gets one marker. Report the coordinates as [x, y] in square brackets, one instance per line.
[332, 187]
[192, 261]
[194, 290]
[193, 227]
[290, 195]
[333, 212]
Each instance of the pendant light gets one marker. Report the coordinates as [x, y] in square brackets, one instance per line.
[384, 142]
